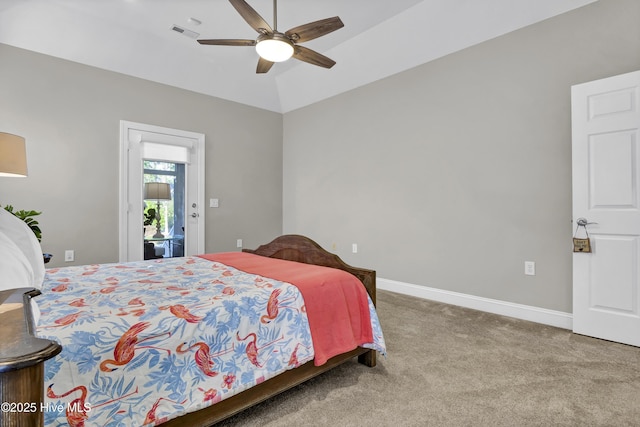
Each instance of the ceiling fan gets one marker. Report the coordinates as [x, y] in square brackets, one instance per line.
[274, 46]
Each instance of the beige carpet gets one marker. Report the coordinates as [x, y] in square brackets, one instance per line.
[450, 366]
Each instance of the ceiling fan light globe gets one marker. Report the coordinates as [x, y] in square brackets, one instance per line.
[274, 49]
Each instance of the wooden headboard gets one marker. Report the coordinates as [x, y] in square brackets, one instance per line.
[294, 247]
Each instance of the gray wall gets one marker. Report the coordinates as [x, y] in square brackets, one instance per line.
[70, 116]
[449, 175]
[452, 174]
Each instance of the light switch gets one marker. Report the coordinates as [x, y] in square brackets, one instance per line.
[214, 203]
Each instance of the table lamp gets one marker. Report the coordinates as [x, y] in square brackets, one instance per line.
[157, 191]
[13, 155]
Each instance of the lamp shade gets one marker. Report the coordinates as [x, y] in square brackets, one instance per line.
[157, 191]
[13, 155]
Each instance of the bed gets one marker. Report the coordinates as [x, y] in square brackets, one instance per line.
[285, 355]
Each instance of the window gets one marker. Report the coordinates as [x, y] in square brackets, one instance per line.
[171, 223]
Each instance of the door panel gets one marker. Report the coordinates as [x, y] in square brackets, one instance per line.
[613, 163]
[613, 275]
[606, 286]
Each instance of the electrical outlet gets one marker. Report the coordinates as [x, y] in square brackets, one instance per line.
[239, 243]
[354, 248]
[69, 255]
[529, 268]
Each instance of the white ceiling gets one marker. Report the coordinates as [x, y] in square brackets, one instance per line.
[380, 38]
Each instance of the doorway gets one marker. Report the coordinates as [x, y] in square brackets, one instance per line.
[161, 192]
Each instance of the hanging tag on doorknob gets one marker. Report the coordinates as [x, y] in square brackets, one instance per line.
[581, 245]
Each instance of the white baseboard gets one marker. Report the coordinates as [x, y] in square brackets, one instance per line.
[519, 311]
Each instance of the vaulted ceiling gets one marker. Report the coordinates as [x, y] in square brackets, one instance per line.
[380, 38]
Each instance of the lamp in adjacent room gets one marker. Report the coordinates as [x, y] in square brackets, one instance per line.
[157, 191]
[13, 155]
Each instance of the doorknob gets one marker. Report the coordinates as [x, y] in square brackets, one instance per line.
[582, 222]
[194, 215]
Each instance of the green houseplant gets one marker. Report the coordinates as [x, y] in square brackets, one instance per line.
[149, 217]
[27, 217]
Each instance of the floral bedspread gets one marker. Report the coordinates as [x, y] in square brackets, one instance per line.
[147, 341]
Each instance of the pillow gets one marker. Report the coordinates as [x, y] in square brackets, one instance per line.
[16, 269]
[16, 230]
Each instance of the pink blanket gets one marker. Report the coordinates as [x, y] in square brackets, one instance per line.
[336, 301]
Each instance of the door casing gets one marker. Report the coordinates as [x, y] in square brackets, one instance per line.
[132, 138]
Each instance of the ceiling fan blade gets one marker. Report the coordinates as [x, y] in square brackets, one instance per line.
[312, 57]
[251, 16]
[228, 42]
[263, 66]
[314, 30]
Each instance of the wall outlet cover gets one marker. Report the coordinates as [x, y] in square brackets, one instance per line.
[529, 268]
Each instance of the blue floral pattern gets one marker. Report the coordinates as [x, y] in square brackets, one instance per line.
[147, 341]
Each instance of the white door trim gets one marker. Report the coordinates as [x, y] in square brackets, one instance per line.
[126, 144]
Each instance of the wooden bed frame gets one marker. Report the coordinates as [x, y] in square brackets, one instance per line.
[22, 381]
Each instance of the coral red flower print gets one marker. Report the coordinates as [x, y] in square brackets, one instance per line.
[228, 380]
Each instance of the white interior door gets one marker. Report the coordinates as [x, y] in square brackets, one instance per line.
[140, 142]
[606, 191]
